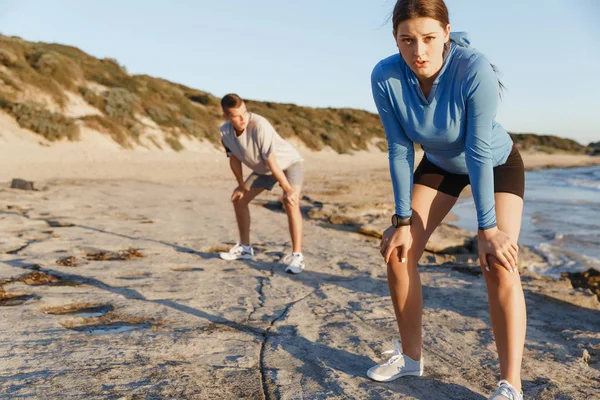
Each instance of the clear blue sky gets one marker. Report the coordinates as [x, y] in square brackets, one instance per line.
[320, 53]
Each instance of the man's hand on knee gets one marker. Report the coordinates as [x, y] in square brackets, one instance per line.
[238, 193]
[291, 197]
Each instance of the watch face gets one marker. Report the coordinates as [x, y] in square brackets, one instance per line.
[395, 220]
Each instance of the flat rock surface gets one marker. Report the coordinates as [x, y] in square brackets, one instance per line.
[141, 307]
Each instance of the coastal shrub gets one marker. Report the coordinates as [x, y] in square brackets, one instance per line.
[52, 126]
[344, 130]
[54, 65]
[6, 104]
[43, 62]
[201, 98]
[8, 81]
[169, 105]
[594, 149]
[7, 58]
[92, 98]
[109, 126]
[115, 64]
[174, 143]
[311, 141]
[547, 143]
[110, 74]
[382, 145]
[13, 55]
[159, 114]
[120, 103]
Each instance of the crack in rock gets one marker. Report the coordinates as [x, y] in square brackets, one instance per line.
[266, 335]
[30, 242]
[261, 296]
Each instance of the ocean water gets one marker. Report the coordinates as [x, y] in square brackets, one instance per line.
[561, 218]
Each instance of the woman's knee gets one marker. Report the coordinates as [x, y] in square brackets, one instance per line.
[499, 276]
[395, 263]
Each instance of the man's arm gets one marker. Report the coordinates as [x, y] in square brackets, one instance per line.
[290, 194]
[236, 168]
[278, 173]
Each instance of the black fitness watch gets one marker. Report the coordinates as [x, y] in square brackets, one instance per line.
[398, 221]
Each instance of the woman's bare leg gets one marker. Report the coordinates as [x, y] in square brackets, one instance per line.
[505, 295]
[429, 209]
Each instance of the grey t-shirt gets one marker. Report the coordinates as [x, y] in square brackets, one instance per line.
[256, 143]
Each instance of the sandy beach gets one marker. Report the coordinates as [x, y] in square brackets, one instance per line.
[111, 286]
[115, 198]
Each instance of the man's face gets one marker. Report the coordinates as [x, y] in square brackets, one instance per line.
[238, 117]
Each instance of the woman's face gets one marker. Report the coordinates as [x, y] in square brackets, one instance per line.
[421, 43]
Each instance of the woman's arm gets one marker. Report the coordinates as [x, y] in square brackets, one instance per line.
[400, 148]
[482, 101]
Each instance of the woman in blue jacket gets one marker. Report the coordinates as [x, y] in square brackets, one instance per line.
[442, 94]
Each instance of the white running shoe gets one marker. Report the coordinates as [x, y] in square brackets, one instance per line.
[398, 365]
[505, 391]
[295, 263]
[238, 252]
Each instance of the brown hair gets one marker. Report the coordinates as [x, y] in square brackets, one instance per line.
[231, 100]
[408, 9]
[435, 9]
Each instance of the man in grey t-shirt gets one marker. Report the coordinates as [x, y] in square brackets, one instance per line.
[250, 139]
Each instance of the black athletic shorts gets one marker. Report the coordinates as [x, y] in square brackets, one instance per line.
[508, 177]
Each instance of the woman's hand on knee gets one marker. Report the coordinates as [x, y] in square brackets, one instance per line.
[394, 238]
[498, 244]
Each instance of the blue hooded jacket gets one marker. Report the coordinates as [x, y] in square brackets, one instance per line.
[455, 124]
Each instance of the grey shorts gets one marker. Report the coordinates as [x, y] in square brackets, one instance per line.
[294, 174]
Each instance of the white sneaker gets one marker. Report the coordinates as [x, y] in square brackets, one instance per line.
[505, 391]
[397, 366]
[295, 263]
[238, 252]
